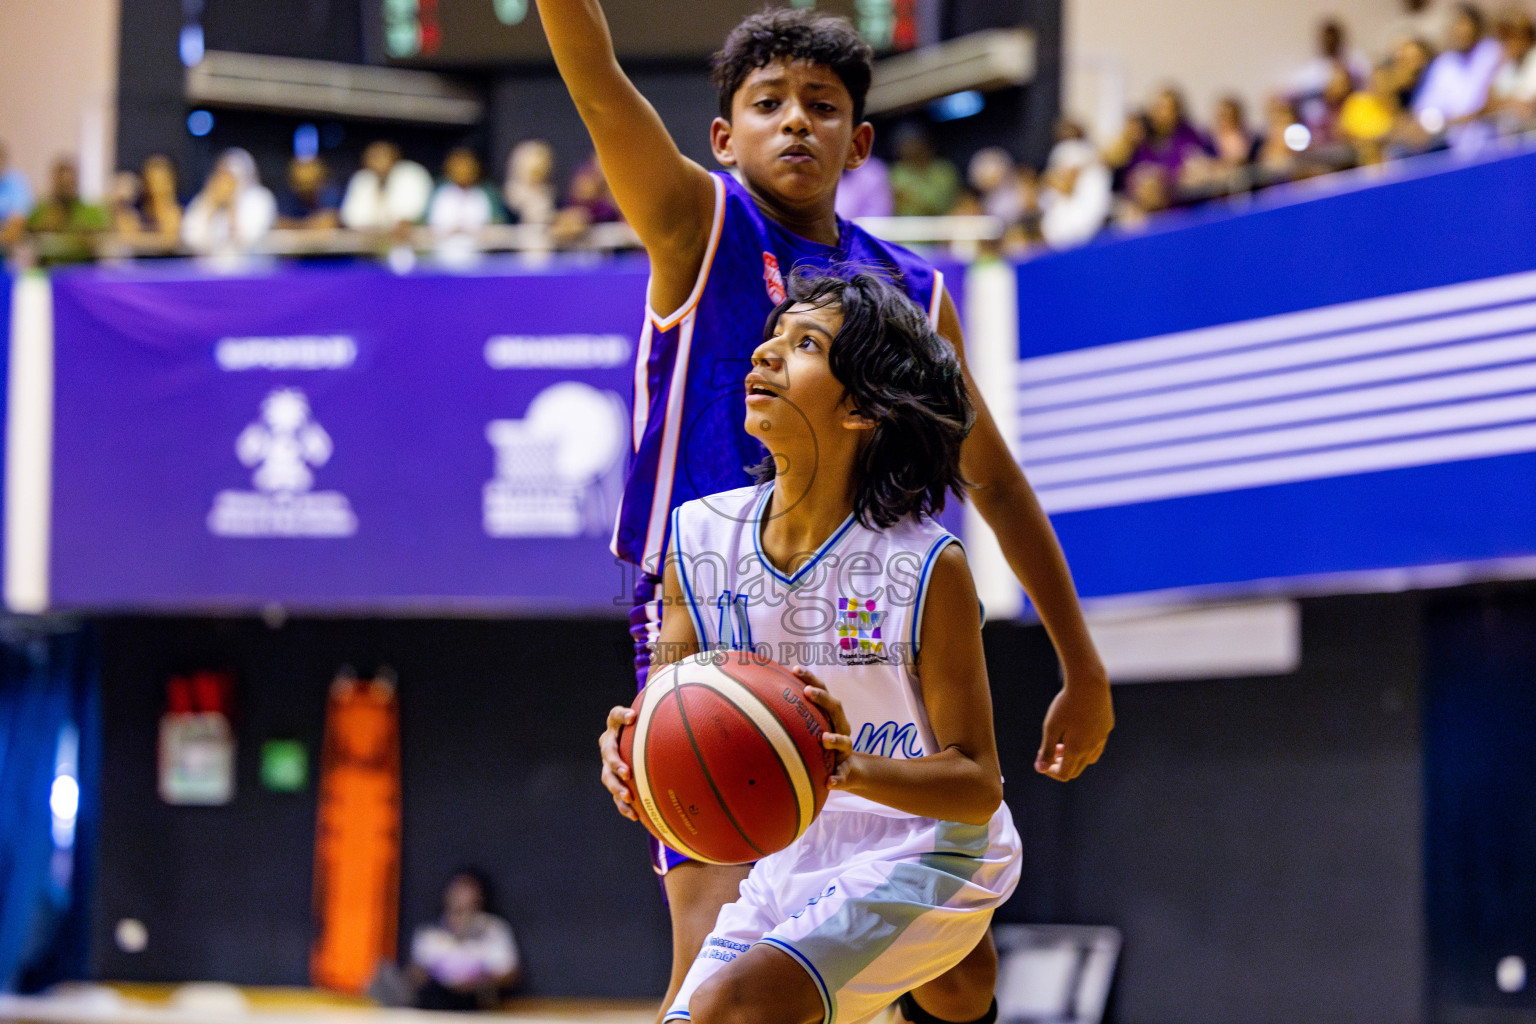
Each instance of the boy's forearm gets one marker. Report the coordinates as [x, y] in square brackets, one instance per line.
[1029, 544]
[947, 785]
[582, 46]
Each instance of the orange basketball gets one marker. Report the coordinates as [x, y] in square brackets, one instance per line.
[725, 757]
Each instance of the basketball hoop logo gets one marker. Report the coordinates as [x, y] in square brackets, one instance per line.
[772, 278]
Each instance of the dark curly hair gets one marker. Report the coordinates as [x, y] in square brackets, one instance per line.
[900, 373]
[784, 33]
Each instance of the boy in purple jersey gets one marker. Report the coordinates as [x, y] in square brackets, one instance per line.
[792, 87]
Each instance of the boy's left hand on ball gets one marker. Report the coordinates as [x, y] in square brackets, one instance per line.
[840, 739]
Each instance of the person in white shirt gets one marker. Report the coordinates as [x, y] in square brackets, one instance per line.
[233, 212]
[1077, 196]
[1512, 96]
[529, 190]
[467, 959]
[463, 203]
[1455, 88]
[386, 191]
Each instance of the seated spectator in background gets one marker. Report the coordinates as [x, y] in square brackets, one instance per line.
[1173, 141]
[1123, 148]
[588, 201]
[310, 200]
[468, 959]
[233, 212]
[15, 200]
[529, 190]
[998, 185]
[124, 197]
[865, 191]
[1149, 191]
[62, 209]
[1075, 199]
[1410, 60]
[1371, 117]
[71, 220]
[387, 192]
[462, 205]
[923, 184]
[159, 205]
[1276, 159]
[1317, 76]
[1234, 144]
[1512, 94]
[1456, 87]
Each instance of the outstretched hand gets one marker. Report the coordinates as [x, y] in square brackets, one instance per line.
[1076, 728]
[840, 739]
[615, 771]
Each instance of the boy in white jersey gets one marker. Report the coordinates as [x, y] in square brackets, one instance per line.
[863, 410]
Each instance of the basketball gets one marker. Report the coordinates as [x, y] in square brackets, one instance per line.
[725, 757]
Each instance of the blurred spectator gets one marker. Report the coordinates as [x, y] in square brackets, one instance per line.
[1075, 199]
[1308, 82]
[62, 209]
[865, 191]
[464, 203]
[386, 192]
[1173, 141]
[1410, 60]
[1371, 117]
[1278, 157]
[159, 205]
[1456, 86]
[123, 203]
[15, 199]
[1234, 144]
[996, 182]
[923, 184]
[588, 201]
[530, 188]
[1123, 147]
[1149, 191]
[233, 212]
[310, 200]
[1512, 95]
[468, 958]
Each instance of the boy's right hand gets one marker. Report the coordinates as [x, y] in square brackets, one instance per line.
[615, 771]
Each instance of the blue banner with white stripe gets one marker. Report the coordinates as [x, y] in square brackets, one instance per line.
[1322, 385]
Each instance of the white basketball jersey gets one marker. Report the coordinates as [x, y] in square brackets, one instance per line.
[851, 613]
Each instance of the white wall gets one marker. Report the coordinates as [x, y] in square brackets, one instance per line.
[58, 86]
[1118, 52]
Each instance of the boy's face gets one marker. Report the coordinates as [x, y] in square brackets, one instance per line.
[792, 394]
[792, 132]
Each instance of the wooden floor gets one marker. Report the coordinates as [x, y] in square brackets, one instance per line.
[226, 1004]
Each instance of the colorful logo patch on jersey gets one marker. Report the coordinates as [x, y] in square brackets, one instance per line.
[858, 631]
[772, 278]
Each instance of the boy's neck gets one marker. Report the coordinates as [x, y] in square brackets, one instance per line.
[806, 508]
[816, 224]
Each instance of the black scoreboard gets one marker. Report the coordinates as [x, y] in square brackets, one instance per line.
[445, 33]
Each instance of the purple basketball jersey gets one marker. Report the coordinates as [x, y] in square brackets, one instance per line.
[689, 404]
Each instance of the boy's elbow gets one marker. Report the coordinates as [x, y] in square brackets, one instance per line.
[988, 797]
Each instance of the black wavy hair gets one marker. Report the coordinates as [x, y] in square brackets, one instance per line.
[899, 372]
[785, 33]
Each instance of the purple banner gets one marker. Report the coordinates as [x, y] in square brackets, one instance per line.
[342, 438]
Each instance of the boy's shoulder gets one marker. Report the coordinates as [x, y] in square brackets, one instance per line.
[731, 506]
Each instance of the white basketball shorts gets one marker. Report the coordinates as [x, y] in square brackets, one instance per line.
[870, 905]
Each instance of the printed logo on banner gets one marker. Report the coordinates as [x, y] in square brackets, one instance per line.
[559, 469]
[284, 447]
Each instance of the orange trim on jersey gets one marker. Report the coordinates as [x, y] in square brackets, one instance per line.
[667, 323]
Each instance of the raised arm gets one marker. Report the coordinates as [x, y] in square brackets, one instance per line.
[1081, 716]
[667, 198]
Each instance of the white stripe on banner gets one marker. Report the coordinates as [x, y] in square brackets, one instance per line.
[1336, 348]
[1520, 348]
[1283, 327]
[1292, 469]
[1405, 380]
